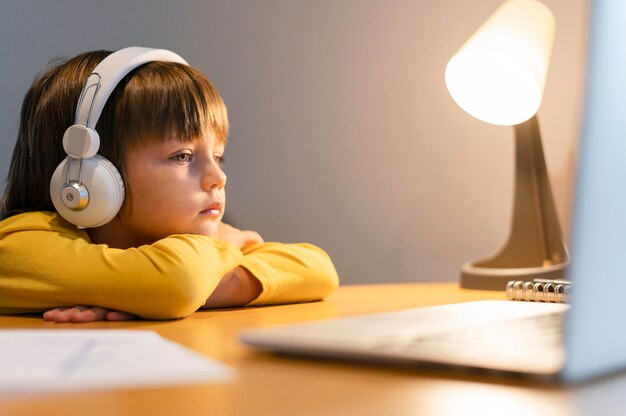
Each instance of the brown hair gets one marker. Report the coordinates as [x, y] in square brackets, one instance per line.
[153, 102]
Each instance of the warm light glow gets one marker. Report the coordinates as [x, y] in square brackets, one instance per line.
[499, 74]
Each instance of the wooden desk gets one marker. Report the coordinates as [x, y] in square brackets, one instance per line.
[271, 385]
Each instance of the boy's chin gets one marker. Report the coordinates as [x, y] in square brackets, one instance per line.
[212, 229]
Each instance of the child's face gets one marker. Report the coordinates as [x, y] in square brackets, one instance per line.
[175, 188]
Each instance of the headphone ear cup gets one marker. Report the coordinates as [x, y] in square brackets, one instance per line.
[103, 184]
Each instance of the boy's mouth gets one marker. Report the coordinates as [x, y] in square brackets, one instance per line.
[213, 210]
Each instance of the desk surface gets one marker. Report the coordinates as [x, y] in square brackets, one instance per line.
[272, 385]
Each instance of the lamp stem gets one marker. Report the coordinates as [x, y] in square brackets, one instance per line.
[535, 247]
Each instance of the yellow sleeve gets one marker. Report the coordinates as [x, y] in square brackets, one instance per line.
[290, 272]
[45, 268]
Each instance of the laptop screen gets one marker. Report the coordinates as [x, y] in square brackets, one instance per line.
[596, 341]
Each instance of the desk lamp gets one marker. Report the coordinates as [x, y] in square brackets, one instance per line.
[498, 77]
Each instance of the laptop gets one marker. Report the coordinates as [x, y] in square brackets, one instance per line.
[570, 343]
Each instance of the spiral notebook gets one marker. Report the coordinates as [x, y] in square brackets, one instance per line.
[482, 334]
[539, 290]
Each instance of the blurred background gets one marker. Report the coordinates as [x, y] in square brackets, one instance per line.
[343, 133]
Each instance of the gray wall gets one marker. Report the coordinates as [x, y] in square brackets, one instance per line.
[343, 133]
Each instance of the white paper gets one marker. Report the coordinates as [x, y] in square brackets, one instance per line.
[53, 360]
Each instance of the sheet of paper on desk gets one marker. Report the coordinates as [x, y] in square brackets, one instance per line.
[53, 360]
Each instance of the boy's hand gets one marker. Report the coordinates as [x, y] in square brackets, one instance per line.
[237, 237]
[85, 314]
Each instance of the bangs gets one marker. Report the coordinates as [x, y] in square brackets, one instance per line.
[163, 99]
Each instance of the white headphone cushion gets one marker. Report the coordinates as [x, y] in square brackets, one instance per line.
[105, 187]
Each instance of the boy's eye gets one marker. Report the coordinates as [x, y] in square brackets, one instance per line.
[219, 159]
[183, 157]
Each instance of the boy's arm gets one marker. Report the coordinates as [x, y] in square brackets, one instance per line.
[237, 288]
[41, 270]
[290, 272]
[240, 287]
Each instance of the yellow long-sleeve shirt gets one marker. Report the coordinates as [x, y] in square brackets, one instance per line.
[46, 262]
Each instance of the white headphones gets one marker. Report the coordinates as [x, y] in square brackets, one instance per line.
[86, 189]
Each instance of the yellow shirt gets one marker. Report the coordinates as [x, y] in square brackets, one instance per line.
[46, 262]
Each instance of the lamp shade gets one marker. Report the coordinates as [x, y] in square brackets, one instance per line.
[499, 74]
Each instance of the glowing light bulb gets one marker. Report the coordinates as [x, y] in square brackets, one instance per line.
[498, 75]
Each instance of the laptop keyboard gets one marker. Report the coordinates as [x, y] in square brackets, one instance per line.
[535, 332]
[524, 339]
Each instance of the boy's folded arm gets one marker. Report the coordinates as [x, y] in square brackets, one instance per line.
[171, 278]
[237, 288]
[290, 272]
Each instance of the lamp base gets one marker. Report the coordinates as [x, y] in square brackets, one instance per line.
[535, 248]
[491, 278]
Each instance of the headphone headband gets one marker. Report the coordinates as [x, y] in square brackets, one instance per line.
[86, 189]
[108, 73]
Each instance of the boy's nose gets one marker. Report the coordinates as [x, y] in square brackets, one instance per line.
[214, 178]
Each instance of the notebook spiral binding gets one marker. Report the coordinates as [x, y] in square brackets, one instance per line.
[539, 290]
